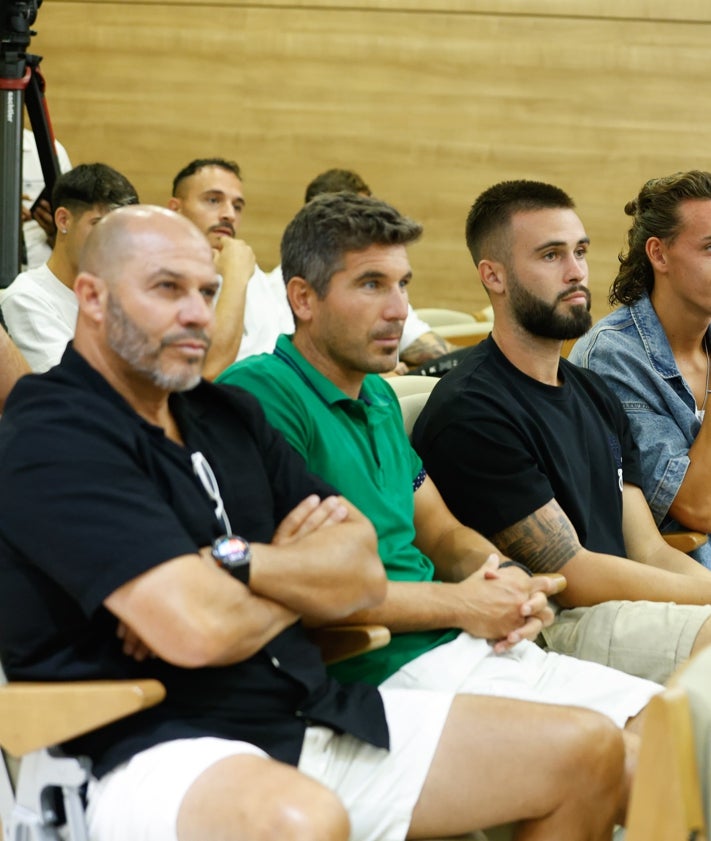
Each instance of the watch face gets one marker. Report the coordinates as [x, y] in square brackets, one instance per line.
[231, 550]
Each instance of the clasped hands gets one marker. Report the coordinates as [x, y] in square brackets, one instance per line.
[506, 605]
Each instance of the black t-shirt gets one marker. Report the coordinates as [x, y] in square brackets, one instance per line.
[499, 445]
[91, 496]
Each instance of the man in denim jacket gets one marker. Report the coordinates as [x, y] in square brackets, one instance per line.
[654, 350]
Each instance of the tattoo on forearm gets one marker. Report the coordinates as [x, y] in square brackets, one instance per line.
[544, 541]
[428, 346]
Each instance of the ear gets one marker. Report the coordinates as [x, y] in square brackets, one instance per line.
[301, 297]
[656, 254]
[175, 204]
[493, 276]
[62, 219]
[91, 292]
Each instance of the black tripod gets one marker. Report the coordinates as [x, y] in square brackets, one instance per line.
[20, 80]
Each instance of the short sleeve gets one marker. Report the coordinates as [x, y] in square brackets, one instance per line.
[76, 500]
[483, 469]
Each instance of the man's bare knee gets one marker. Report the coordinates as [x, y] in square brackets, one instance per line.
[260, 799]
[597, 749]
[598, 740]
[320, 817]
[559, 770]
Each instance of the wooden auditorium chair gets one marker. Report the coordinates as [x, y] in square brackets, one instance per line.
[41, 791]
[457, 327]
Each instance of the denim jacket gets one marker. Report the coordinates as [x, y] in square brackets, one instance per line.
[629, 349]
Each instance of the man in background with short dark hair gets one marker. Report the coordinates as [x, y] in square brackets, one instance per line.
[39, 307]
[210, 192]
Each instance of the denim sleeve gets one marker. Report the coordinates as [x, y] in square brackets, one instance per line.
[662, 423]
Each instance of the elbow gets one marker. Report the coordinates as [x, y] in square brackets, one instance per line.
[200, 641]
[196, 648]
[376, 586]
[368, 587]
[375, 582]
[695, 516]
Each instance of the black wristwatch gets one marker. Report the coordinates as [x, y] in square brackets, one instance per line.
[233, 553]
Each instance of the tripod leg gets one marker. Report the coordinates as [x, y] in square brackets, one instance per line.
[37, 111]
[10, 184]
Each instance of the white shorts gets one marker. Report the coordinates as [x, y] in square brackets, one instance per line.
[140, 799]
[380, 788]
[468, 665]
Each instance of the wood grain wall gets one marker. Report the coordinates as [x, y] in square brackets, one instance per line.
[430, 101]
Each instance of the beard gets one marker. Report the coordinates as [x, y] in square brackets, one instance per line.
[135, 347]
[541, 318]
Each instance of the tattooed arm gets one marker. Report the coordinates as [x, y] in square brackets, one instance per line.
[546, 541]
[425, 347]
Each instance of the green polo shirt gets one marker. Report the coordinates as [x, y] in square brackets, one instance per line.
[360, 447]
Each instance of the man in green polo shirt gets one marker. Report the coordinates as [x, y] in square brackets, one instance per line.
[459, 620]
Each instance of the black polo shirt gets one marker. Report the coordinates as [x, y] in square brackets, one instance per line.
[92, 495]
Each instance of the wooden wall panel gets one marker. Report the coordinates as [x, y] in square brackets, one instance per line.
[688, 10]
[429, 107]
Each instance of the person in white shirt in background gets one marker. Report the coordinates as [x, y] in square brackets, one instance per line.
[209, 192]
[38, 228]
[39, 307]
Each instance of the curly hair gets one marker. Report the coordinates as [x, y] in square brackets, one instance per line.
[655, 213]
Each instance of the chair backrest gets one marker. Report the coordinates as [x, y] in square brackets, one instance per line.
[670, 795]
[695, 681]
[412, 393]
[465, 334]
[403, 386]
[438, 317]
[411, 407]
[459, 328]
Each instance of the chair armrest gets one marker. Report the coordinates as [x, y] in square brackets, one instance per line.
[685, 541]
[38, 715]
[339, 642]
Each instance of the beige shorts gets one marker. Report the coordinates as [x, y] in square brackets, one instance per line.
[140, 799]
[647, 639]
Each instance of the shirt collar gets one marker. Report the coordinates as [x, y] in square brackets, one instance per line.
[320, 384]
[656, 344]
[78, 367]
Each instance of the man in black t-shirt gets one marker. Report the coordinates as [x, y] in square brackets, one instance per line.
[537, 454]
[145, 510]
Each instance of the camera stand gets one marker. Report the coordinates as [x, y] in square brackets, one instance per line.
[19, 75]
